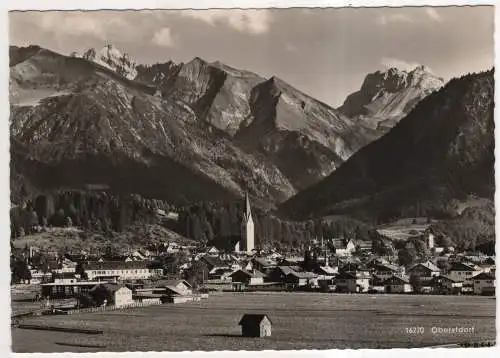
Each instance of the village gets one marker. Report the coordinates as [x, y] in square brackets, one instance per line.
[182, 273]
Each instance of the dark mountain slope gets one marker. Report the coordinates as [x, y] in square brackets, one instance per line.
[442, 150]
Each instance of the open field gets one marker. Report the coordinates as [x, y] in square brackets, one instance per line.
[300, 321]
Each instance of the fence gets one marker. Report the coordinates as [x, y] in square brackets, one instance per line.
[144, 303]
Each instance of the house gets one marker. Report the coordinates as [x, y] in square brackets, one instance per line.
[444, 285]
[385, 271]
[327, 270]
[221, 273]
[364, 245]
[424, 271]
[279, 273]
[137, 256]
[352, 282]
[172, 247]
[64, 277]
[354, 268]
[397, 284]
[263, 264]
[343, 248]
[213, 251]
[487, 267]
[214, 263]
[484, 284]
[255, 325]
[377, 284]
[300, 279]
[38, 276]
[460, 271]
[111, 294]
[247, 277]
[173, 288]
[120, 270]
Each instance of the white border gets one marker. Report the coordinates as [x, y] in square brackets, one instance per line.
[197, 4]
[151, 4]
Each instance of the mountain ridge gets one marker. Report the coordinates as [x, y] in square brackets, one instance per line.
[424, 160]
[211, 121]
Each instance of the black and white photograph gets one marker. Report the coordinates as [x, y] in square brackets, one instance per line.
[251, 179]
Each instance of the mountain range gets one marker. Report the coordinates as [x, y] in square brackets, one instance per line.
[187, 132]
[433, 162]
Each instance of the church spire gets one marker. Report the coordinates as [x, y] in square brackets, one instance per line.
[248, 209]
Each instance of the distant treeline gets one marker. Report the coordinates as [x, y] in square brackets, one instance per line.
[214, 222]
[97, 211]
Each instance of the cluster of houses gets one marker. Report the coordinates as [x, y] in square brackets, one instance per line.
[350, 275]
[348, 266]
[340, 271]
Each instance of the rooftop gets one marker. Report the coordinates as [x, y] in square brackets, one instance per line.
[253, 319]
[116, 265]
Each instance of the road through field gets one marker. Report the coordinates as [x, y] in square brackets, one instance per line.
[300, 321]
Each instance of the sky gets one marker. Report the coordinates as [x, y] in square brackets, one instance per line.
[324, 52]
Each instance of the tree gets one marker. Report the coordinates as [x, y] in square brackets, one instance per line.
[407, 255]
[196, 274]
[416, 283]
[443, 265]
[421, 249]
[20, 271]
[80, 270]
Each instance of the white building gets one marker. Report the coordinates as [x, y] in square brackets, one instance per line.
[344, 248]
[353, 282]
[123, 296]
[430, 240]
[463, 272]
[248, 231]
[120, 270]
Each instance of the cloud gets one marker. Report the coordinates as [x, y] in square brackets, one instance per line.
[163, 37]
[254, 22]
[98, 25]
[394, 18]
[290, 47]
[399, 64]
[433, 14]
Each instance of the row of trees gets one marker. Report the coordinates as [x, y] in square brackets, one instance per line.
[101, 212]
[208, 221]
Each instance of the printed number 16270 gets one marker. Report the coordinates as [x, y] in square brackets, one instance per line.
[415, 330]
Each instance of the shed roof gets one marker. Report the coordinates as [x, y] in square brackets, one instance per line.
[253, 319]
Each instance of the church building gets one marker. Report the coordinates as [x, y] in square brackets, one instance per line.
[247, 242]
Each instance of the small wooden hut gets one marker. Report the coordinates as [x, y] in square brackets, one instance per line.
[255, 325]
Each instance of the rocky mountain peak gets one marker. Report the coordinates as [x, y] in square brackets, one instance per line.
[391, 93]
[112, 58]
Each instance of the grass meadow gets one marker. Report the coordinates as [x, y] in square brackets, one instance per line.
[300, 321]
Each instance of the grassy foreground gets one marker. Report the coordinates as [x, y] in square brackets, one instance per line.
[300, 321]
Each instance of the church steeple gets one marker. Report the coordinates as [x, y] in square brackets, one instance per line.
[248, 233]
[248, 214]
